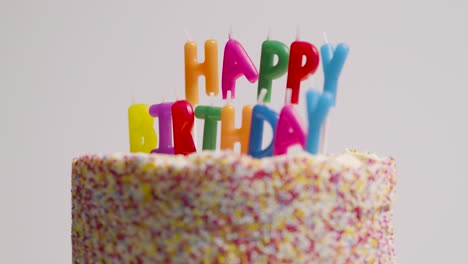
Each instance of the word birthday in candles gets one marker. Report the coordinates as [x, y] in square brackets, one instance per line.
[176, 120]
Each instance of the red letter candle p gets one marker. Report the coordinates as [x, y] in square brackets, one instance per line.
[296, 71]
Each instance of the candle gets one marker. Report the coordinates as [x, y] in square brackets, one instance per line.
[289, 131]
[261, 114]
[211, 115]
[163, 112]
[269, 71]
[333, 62]
[231, 135]
[183, 119]
[141, 131]
[235, 64]
[318, 106]
[193, 70]
[297, 71]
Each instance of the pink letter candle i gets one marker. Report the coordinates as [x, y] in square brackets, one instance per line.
[235, 64]
[141, 130]
[296, 71]
[182, 119]
[231, 135]
[193, 70]
[163, 112]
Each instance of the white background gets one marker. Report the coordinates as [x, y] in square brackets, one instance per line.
[68, 71]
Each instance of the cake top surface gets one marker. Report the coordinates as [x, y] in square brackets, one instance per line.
[352, 179]
[348, 159]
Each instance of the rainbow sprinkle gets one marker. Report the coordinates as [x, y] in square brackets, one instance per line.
[222, 207]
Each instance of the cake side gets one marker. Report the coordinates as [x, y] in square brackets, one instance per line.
[228, 208]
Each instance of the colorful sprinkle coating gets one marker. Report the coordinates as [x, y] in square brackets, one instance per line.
[222, 207]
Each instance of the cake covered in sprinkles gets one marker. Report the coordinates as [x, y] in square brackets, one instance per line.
[223, 207]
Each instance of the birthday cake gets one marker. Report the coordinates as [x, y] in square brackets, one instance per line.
[169, 202]
[222, 207]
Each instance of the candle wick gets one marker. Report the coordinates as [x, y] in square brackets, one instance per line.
[177, 94]
[298, 32]
[212, 99]
[269, 33]
[324, 135]
[325, 37]
[310, 82]
[229, 97]
[163, 99]
[287, 99]
[261, 96]
[187, 35]
[230, 32]
[133, 99]
[195, 136]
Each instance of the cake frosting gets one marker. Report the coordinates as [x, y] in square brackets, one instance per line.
[223, 207]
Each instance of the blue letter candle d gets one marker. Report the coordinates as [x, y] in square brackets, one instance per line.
[261, 114]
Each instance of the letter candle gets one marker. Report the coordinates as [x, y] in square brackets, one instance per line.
[183, 119]
[193, 70]
[333, 61]
[231, 135]
[296, 71]
[332, 64]
[211, 115]
[318, 106]
[269, 71]
[235, 64]
[261, 114]
[163, 112]
[140, 128]
[289, 130]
